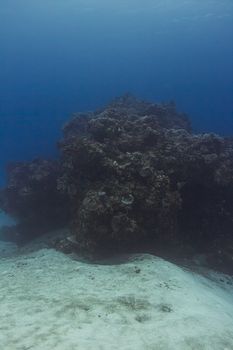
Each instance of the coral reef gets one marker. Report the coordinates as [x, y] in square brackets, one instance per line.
[31, 197]
[132, 175]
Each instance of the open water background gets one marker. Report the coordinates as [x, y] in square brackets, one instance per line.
[61, 56]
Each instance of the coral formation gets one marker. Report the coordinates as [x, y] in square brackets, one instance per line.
[131, 175]
[31, 197]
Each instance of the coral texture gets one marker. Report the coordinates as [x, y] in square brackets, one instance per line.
[132, 175]
[31, 197]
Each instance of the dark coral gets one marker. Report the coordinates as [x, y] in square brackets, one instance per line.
[31, 197]
[133, 175]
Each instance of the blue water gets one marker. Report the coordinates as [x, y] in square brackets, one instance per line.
[61, 56]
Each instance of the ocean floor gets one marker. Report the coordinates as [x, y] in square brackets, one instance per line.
[49, 300]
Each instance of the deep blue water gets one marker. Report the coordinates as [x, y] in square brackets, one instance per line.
[60, 56]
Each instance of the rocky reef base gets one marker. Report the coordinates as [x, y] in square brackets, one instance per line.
[130, 177]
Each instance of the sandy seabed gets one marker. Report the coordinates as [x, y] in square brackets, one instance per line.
[50, 301]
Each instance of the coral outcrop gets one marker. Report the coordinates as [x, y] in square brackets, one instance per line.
[132, 175]
[31, 197]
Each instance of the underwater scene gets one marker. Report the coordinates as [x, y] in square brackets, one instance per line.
[116, 175]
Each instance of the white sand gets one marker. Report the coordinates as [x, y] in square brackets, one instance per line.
[49, 301]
